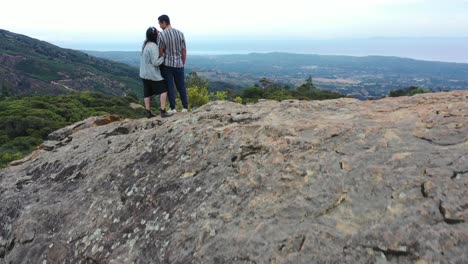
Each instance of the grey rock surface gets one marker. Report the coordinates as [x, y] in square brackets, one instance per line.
[340, 181]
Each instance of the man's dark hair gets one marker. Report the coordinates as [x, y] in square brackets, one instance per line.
[164, 18]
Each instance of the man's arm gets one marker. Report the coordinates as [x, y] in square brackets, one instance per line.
[184, 49]
[184, 55]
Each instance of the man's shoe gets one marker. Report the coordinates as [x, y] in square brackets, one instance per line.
[184, 110]
[172, 111]
[165, 113]
[149, 114]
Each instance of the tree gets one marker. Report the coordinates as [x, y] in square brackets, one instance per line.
[307, 86]
[268, 85]
[309, 82]
[265, 83]
[194, 80]
[254, 93]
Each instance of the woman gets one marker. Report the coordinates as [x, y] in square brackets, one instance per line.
[153, 82]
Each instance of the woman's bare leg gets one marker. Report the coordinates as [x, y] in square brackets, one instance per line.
[163, 101]
[147, 103]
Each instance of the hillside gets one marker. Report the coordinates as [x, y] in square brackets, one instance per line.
[27, 120]
[337, 181]
[30, 66]
[360, 77]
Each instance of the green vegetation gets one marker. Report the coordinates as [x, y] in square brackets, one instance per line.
[26, 121]
[194, 80]
[238, 100]
[410, 91]
[267, 89]
[197, 96]
[199, 92]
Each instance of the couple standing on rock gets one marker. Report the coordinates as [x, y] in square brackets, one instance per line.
[162, 66]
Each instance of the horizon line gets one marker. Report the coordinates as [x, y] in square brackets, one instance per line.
[291, 53]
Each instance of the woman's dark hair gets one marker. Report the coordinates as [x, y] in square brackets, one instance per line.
[151, 36]
[164, 18]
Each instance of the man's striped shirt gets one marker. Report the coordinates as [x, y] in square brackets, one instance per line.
[172, 41]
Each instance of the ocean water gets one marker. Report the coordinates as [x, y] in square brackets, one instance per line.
[450, 50]
[432, 49]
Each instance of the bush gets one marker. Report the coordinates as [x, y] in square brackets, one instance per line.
[197, 96]
[238, 100]
[219, 96]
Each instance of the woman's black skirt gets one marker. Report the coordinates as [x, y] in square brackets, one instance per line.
[153, 87]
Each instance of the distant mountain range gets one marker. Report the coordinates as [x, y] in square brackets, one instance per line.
[30, 66]
[361, 77]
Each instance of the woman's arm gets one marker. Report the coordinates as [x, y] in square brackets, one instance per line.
[156, 60]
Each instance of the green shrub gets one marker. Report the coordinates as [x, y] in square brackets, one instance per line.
[238, 99]
[197, 96]
[219, 96]
[8, 157]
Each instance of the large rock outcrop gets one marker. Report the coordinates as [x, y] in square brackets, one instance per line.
[340, 181]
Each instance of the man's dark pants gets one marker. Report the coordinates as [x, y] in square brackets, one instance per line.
[175, 77]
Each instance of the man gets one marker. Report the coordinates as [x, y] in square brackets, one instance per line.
[172, 44]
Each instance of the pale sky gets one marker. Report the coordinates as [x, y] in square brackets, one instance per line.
[94, 20]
